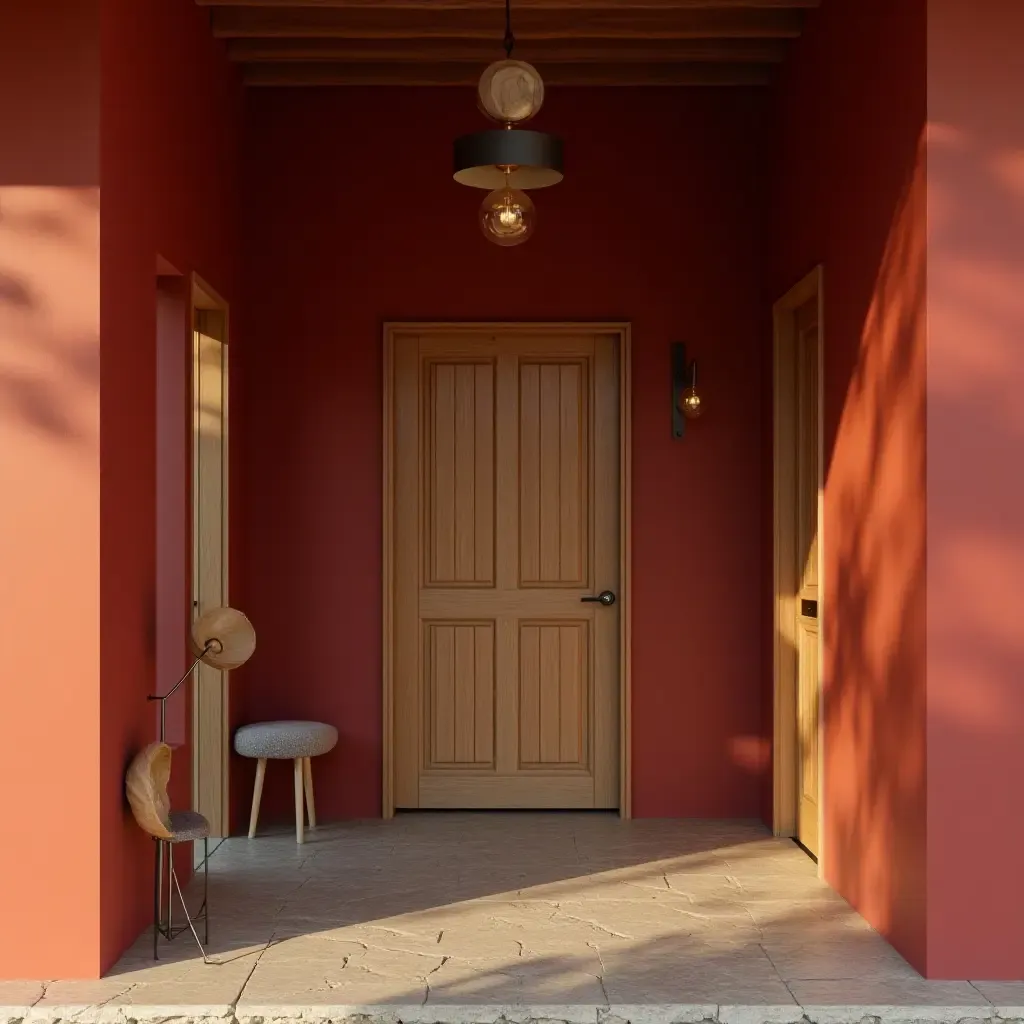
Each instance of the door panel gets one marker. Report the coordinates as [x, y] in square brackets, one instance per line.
[807, 571]
[459, 694]
[506, 479]
[554, 691]
[807, 733]
[553, 543]
[459, 474]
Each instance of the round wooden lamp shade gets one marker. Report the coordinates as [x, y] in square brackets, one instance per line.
[222, 638]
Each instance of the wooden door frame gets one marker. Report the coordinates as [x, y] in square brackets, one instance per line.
[203, 297]
[622, 332]
[784, 611]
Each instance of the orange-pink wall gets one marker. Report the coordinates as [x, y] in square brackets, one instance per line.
[909, 189]
[849, 194]
[975, 651]
[353, 219]
[121, 117]
[50, 486]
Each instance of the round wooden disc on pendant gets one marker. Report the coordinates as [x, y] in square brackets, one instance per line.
[511, 91]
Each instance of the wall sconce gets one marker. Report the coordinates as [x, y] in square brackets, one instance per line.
[686, 403]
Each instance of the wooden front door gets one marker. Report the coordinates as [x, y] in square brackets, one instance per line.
[806, 528]
[506, 505]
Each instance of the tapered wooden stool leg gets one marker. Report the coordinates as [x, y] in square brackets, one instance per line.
[257, 793]
[299, 838]
[307, 773]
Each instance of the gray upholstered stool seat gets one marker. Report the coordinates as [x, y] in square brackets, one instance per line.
[299, 741]
[187, 826]
[285, 739]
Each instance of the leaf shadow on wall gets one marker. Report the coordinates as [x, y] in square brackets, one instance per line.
[49, 358]
[895, 616]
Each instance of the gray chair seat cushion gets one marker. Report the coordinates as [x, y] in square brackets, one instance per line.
[285, 739]
[187, 826]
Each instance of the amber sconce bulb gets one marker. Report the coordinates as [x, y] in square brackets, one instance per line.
[689, 403]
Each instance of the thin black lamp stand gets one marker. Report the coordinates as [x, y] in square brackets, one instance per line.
[162, 926]
[223, 639]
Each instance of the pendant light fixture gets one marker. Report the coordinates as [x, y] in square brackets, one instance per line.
[508, 160]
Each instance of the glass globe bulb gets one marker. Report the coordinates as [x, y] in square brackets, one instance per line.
[507, 216]
[689, 403]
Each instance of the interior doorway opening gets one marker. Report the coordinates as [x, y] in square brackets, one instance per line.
[211, 741]
[798, 591]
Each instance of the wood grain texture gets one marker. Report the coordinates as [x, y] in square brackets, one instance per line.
[585, 43]
[501, 679]
[808, 497]
[377, 22]
[521, 5]
[210, 571]
[459, 480]
[480, 52]
[459, 682]
[307, 785]
[300, 834]
[257, 795]
[146, 788]
[554, 695]
[388, 543]
[610, 457]
[553, 474]
[596, 75]
[557, 793]
[798, 480]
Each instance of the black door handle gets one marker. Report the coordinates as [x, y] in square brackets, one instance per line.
[606, 597]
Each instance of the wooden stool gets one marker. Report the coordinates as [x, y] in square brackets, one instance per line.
[295, 741]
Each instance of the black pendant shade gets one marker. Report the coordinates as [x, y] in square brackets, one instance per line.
[535, 159]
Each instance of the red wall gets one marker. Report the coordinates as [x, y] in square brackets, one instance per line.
[849, 193]
[171, 114]
[975, 488]
[352, 219]
[173, 508]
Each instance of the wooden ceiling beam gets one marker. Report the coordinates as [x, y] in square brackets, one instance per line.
[583, 23]
[520, 5]
[480, 53]
[423, 74]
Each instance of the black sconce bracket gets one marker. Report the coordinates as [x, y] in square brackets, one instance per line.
[682, 378]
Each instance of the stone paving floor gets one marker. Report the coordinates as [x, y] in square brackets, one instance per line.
[472, 919]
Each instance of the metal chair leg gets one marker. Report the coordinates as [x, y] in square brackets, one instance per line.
[188, 918]
[157, 873]
[166, 928]
[206, 889]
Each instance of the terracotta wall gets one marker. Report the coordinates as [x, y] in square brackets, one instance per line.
[171, 117]
[849, 193]
[173, 509]
[352, 219]
[49, 480]
[975, 488]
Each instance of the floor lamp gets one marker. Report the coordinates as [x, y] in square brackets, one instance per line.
[224, 639]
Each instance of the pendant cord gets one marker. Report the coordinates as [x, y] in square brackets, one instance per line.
[510, 39]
